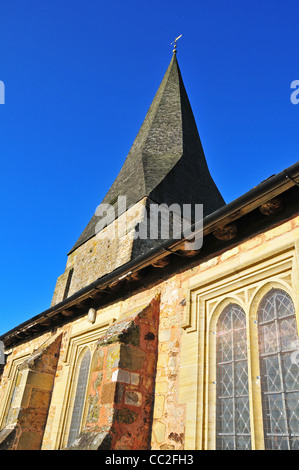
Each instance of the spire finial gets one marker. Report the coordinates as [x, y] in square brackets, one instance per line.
[174, 42]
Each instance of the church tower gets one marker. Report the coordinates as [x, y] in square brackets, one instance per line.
[166, 165]
[148, 345]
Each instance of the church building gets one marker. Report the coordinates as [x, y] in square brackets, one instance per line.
[166, 339]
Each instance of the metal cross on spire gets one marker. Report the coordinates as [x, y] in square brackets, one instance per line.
[174, 42]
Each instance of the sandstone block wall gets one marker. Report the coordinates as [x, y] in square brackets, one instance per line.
[121, 393]
[28, 412]
[117, 385]
[101, 254]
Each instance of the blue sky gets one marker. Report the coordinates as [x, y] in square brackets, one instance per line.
[79, 77]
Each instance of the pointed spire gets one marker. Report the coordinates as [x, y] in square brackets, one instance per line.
[166, 162]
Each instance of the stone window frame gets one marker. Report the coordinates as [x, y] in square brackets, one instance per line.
[12, 374]
[231, 393]
[74, 385]
[244, 282]
[286, 346]
[77, 344]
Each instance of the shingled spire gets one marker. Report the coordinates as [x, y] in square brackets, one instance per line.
[166, 162]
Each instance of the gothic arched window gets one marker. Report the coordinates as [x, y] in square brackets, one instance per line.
[79, 397]
[279, 365]
[232, 404]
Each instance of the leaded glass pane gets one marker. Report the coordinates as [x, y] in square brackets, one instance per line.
[277, 414]
[279, 365]
[241, 378]
[278, 443]
[225, 347]
[267, 310]
[226, 443]
[243, 443]
[240, 344]
[79, 397]
[292, 402]
[291, 370]
[242, 416]
[232, 406]
[295, 443]
[269, 338]
[287, 333]
[227, 416]
[271, 374]
[225, 377]
[283, 304]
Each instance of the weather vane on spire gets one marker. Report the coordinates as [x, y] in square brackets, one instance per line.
[174, 42]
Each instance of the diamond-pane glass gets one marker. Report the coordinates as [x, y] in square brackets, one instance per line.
[279, 363]
[79, 397]
[232, 405]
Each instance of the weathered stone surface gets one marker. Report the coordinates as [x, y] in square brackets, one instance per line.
[44, 359]
[113, 356]
[30, 440]
[30, 405]
[166, 447]
[97, 360]
[133, 398]
[8, 437]
[131, 358]
[120, 375]
[119, 392]
[159, 431]
[135, 378]
[126, 332]
[176, 437]
[108, 393]
[94, 409]
[127, 416]
[159, 406]
[92, 441]
[98, 380]
[119, 401]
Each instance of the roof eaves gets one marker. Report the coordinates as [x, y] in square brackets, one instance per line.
[261, 193]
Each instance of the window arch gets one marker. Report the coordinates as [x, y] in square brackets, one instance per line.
[279, 361]
[232, 400]
[79, 396]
